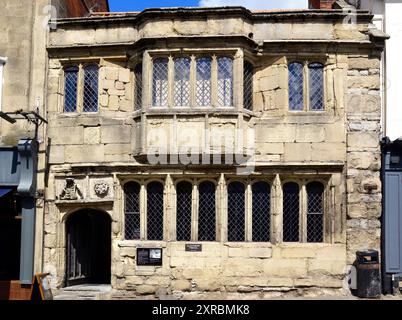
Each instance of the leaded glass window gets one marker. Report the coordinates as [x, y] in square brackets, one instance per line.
[132, 210]
[315, 214]
[138, 86]
[291, 212]
[225, 82]
[296, 101]
[207, 212]
[181, 94]
[70, 89]
[203, 85]
[160, 82]
[248, 85]
[155, 211]
[91, 88]
[183, 211]
[261, 212]
[316, 84]
[236, 212]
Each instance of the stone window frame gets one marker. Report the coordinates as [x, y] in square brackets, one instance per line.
[81, 65]
[3, 61]
[237, 54]
[303, 207]
[195, 182]
[276, 183]
[143, 207]
[306, 61]
[248, 183]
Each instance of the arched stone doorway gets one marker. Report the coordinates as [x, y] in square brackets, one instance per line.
[88, 248]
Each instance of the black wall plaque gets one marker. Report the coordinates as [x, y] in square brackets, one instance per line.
[194, 247]
[149, 257]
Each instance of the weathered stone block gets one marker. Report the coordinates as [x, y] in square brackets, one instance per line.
[92, 135]
[66, 135]
[112, 73]
[124, 75]
[364, 63]
[310, 133]
[116, 134]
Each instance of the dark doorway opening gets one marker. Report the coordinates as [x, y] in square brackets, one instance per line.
[88, 248]
[10, 236]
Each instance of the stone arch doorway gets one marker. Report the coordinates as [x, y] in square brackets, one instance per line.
[88, 250]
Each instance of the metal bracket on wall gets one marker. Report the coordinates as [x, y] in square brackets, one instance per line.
[33, 117]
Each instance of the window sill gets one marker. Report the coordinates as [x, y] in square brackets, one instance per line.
[230, 111]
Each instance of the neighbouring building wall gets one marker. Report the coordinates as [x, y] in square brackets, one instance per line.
[338, 147]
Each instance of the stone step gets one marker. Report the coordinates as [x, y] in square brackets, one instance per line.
[85, 292]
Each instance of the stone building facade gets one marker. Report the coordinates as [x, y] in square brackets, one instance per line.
[252, 134]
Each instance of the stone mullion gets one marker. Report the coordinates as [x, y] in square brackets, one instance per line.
[222, 209]
[194, 212]
[306, 82]
[238, 75]
[168, 207]
[214, 82]
[143, 211]
[80, 88]
[170, 83]
[277, 211]
[119, 212]
[193, 77]
[329, 214]
[249, 213]
[146, 82]
[303, 214]
[173, 228]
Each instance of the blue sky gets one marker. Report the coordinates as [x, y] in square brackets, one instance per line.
[138, 5]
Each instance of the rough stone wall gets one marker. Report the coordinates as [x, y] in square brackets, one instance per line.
[101, 138]
[363, 154]
[231, 271]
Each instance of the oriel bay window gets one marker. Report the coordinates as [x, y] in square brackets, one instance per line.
[199, 81]
[81, 88]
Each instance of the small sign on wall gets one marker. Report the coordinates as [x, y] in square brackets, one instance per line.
[149, 257]
[194, 247]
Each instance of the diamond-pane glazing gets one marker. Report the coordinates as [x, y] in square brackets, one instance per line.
[181, 95]
[132, 211]
[315, 216]
[138, 86]
[155, 211]
[70, 89]
[296, 86]
[316, 71]
[91, 89]
[160, 83]
[291, 212]
[203, 85]
[207, 212]
[261, 212]
[236, 212]
[225, 82]
[184, 209]
[248, 85]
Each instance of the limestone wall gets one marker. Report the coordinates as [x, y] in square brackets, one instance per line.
[339, 145]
